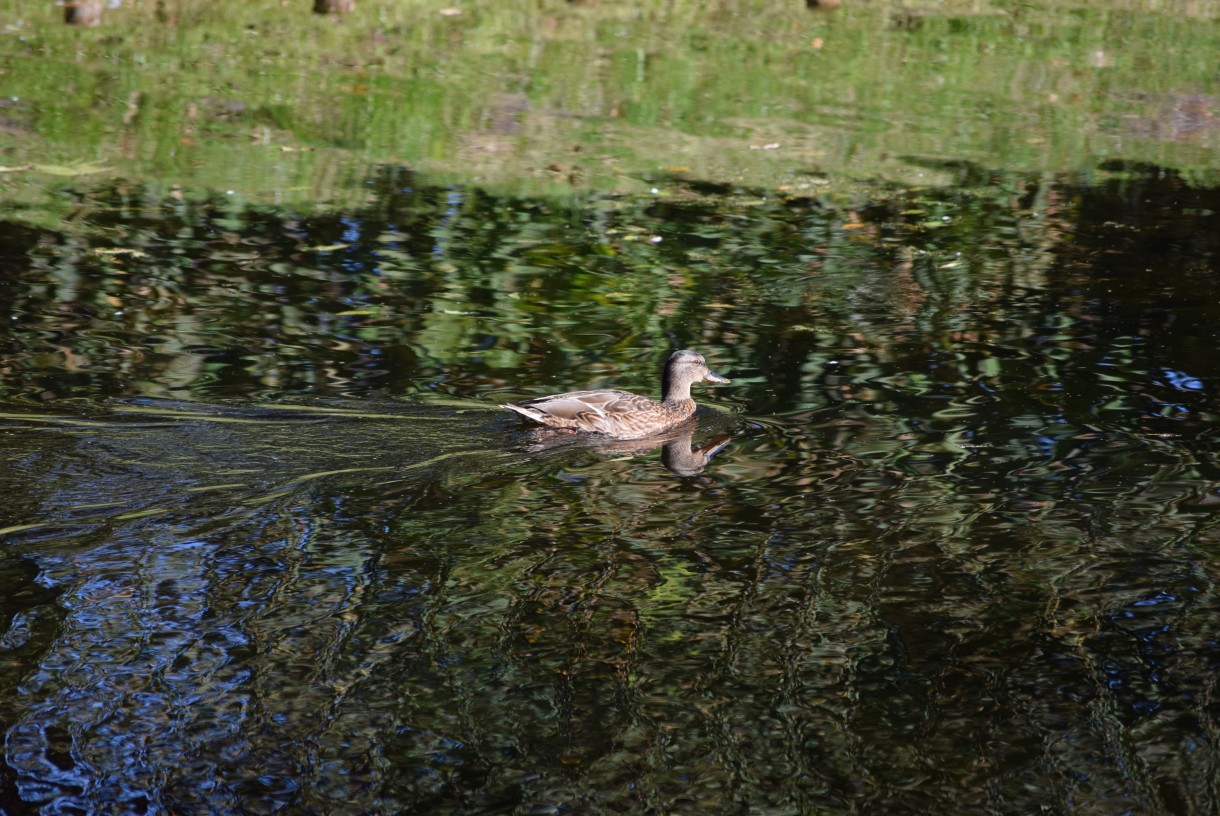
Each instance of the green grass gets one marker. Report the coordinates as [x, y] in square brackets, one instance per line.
[283, 105]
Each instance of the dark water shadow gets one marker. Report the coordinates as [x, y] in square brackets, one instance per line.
[145, 458]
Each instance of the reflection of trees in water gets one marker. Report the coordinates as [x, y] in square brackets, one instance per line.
[457, 290]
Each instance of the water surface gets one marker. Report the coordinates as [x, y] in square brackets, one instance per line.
[269, 544]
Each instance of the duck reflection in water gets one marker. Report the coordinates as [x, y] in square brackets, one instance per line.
[678, 452]
[682, 459]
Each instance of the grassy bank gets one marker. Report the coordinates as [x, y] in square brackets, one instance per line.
[279, 104]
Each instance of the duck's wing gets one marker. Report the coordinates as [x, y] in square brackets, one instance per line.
[601, 403]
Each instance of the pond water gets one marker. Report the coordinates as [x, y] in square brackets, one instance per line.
[947, 543]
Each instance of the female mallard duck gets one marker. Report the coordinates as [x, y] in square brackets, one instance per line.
[622, 414]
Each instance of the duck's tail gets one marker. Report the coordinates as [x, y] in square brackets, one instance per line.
[531, 415]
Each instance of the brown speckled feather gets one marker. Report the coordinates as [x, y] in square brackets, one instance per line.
[622, 414]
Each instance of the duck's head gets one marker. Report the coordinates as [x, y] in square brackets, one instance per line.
[683, 368]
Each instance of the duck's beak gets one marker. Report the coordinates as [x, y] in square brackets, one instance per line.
[716, 378]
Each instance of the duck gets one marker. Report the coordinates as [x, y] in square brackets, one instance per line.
[621, 414]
